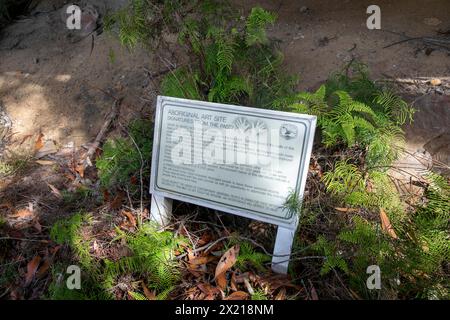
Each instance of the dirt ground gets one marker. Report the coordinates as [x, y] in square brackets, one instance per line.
[52, 84]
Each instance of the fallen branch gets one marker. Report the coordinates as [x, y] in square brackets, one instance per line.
[23, 239]
[441, 42]
[101, 134]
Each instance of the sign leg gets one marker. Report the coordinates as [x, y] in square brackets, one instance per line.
[161, 210]
[282, 250]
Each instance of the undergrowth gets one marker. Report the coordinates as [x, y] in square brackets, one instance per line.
[365, 119]
[125, 160]
[150, 259]
[232, 60]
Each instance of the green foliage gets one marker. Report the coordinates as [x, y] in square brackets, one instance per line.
[142, 22]
[428, 254]
[182, 84]
[123, 158]
[355, 112]
[2, 221]
[161, 296]
[249, 257]
[58, 289]
[372, 189]
[151, 259]
[153, 254]
[293, 204]
[131, 22]
[256, 25]
[259, 295]
[231, 62]
[15, 163]
[332, 259]
[351, 109]
[69, 232]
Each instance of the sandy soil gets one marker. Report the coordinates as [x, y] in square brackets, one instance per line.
[49, 84]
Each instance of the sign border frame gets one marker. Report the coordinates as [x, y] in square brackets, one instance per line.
[290, 223]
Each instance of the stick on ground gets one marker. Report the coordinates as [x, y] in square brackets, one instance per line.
[101, 134]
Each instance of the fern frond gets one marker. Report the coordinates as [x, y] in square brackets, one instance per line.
[256, 24]
[181, 84]
[395, 106]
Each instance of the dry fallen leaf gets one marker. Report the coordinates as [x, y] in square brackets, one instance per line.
[346, 209]
[134, 180]
[281, 295]
[80, 169]
[148, 294]
[130, 217]
[43, 269]
[386, 224]
[117, 201]
[23, 213]
[225, 263]
[39, 142]
[45, 162]
[227, 260]
[201, 260]
[221, 281]
[209, 291]
[31, 269]
[55, 191]
[238, 295]
[106, 195]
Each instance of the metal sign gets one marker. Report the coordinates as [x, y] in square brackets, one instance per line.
[239, 160]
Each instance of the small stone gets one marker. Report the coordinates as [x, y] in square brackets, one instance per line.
[435, 82]
[304, 9]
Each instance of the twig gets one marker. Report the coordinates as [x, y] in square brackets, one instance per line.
[112, 115]
[206, 247]
[342, 283]
[426, 40]
[301, 258]
[249, 286]
[23, 239]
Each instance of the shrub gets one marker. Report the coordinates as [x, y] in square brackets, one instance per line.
[126, 157]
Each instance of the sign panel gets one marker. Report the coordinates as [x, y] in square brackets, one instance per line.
[239, 160]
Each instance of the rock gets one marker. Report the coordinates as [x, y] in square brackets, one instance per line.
[430, 129]
[304, 9]
[435, 82]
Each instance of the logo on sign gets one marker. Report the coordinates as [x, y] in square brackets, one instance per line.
[288, 131]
